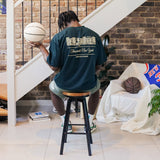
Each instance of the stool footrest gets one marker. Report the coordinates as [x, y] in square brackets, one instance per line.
[77, 124]
[77, 133]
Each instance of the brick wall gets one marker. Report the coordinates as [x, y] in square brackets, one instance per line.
[3, 43]
[136, 37]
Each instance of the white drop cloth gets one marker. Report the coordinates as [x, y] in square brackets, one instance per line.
[118, 105]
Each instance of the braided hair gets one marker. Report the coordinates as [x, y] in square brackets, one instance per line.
[65, 18]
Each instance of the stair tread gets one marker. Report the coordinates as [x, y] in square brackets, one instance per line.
[3, 112]
[3, 91]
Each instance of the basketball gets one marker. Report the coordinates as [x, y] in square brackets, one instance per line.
[34, 32]
[132, 85]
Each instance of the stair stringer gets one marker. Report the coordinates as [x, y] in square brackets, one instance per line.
[31, 74]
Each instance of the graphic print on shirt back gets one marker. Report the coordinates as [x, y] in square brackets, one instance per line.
[81, 47]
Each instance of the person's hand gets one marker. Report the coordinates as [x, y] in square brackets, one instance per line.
[34, 44]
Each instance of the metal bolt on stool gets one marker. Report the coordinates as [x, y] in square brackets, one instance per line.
[77, 97]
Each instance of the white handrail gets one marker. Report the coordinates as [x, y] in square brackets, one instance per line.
[17, 3]
[96, 11]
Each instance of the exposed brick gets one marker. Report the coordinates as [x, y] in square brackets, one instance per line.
[152, 41]
[147, 14]
[129, 25]
[131, 46]
[146, 35]
[123, 52]
[151, 20]
[117, 36]
[118, 68]
[131, 57]
[156, 47]
[141, 9]
[2, 68]
[121, 41]
[134, 14]
[157, 35]
[130, 35]
[145, 57]
[157, 14]
[152, 52]
[137, 30]
[157, 57]
[152, 61]
[153, 9]
[136, 41]
[152, 30]
[118, 46]
[157, 3]
[146, 25]
[126, 30]
[136, 51]
[145, 47]
[138, 19]
[116, 57]
[125, 62]
[148, 4]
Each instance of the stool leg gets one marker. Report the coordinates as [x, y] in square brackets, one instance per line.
[65, 127]
[87, 120]
[88, 132]
[76, 107]
[68, 110]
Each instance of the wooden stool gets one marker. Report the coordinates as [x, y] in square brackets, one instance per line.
[77, 97]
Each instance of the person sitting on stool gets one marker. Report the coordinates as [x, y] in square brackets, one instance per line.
[76, 52]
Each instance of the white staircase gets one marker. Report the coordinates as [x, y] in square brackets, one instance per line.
[35, 71]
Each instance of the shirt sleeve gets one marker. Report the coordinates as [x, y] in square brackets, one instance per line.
[101, 57]
[54, 58]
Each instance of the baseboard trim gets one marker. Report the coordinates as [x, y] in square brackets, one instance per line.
[39, 103]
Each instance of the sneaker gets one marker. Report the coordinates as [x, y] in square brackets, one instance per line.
[54, 110]
[69, 127]
[93, 127]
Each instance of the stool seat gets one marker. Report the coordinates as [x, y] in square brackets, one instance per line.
[73, 94]
[77, 97]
